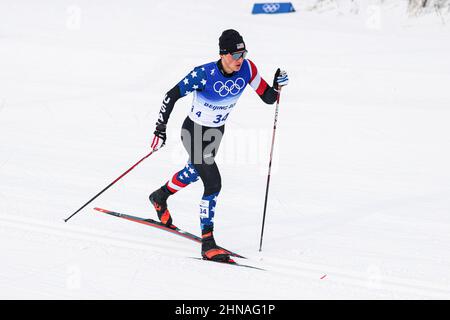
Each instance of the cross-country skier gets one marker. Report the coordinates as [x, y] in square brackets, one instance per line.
[216, 87]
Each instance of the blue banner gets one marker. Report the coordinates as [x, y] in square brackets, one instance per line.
[271, 8]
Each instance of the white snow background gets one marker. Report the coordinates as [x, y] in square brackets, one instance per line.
[359, 197]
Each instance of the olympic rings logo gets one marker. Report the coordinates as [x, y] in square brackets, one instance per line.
[271, 7]
[229, 87]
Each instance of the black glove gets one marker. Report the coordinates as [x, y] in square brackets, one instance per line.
[280, 79]
[159, 138]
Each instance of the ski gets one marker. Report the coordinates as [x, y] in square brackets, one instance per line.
[156, 224]
[230, 262]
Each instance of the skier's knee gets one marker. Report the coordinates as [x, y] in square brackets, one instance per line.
[211, 188]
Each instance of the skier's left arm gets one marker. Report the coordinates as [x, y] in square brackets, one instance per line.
[267, 93]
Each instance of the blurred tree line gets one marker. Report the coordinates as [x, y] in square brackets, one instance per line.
[414, 7]
[423, 6]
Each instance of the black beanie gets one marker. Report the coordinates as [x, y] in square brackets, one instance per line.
[231, 41]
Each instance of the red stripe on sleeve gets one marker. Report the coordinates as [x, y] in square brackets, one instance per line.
[253, 69]
[262, 87]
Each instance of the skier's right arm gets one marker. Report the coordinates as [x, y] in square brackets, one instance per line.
[168, 103]
[159, 138]
[193, 81]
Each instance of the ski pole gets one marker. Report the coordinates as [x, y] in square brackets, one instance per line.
[121, 176]
[270, 168]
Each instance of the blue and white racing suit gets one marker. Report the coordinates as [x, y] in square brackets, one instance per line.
[215, 95]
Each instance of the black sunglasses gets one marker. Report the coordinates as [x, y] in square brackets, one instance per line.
[238, 55]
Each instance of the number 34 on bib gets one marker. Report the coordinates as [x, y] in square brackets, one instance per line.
[218, 117]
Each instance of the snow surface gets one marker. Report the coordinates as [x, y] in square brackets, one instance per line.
[359, 197]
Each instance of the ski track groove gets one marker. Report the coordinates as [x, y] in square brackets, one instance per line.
[82, 233]
[357, 279]
[275, 266]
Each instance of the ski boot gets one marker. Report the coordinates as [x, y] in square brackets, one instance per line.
[211, 251]
[159, 201]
